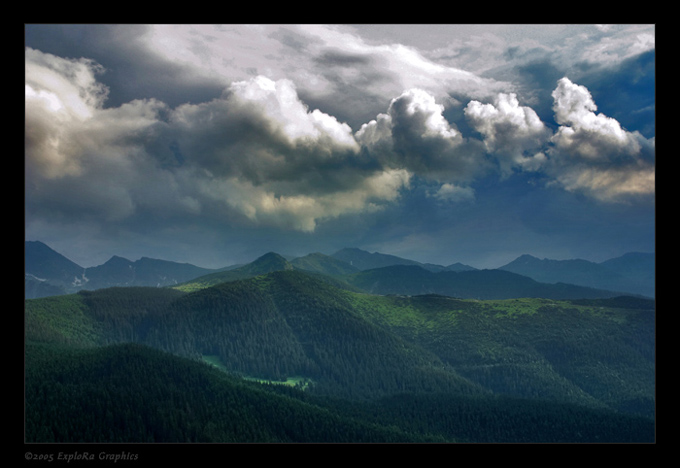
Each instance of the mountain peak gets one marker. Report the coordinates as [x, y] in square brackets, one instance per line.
[42, 261]
[117, 261]
[269, 256]
[527, 257]
[268, 262]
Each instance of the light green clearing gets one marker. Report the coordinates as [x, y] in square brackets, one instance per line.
[303, 382]
[214, 361]
[290, 381]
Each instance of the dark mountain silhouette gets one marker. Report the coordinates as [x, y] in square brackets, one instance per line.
[472, 284]
[632, 273]
[325, 264]
[364, 260]
[43, 263]
[50, 273]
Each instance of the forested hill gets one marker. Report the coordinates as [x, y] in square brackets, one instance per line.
[288, 324]
[132, 394]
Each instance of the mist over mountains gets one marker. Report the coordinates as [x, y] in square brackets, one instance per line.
[49, 273]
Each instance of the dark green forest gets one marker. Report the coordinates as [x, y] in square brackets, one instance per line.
[132, 393]
[163, 365]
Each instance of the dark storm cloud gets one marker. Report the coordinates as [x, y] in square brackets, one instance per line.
[415, 135]
[257, 151]
[538, 80]
[513, 133]
[193, 138]
[131, 70]
[338, 58]
[293, 40]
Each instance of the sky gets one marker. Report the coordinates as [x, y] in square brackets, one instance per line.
[442, 143]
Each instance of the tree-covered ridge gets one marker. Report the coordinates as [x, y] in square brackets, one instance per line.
[95, 318]
[291, 324]
[131, 393]
[267, 263]
[590, 352]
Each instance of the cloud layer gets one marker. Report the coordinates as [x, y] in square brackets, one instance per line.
[258, 154]
[235, 138]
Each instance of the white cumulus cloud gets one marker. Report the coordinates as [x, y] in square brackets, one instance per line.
[593, 153]
[514, 133]
[414, 135]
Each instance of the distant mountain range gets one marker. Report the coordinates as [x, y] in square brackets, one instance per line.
[632, 272]
[363, 260]
[48, 273]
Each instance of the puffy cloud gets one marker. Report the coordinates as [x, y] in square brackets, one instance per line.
[279, 102]
[589, 152]
[514, 133]
[414, 135]
[586, 134]
[324, 61]
[60, 95]
[256, 153]
[260, 131]
[264, 154]
[85, 160]
[593, 153]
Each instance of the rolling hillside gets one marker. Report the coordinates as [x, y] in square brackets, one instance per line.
[353, 345]
[133, 394]
[320, 263]
[393, 354]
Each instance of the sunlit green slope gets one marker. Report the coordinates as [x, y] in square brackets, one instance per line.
[598, 353]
